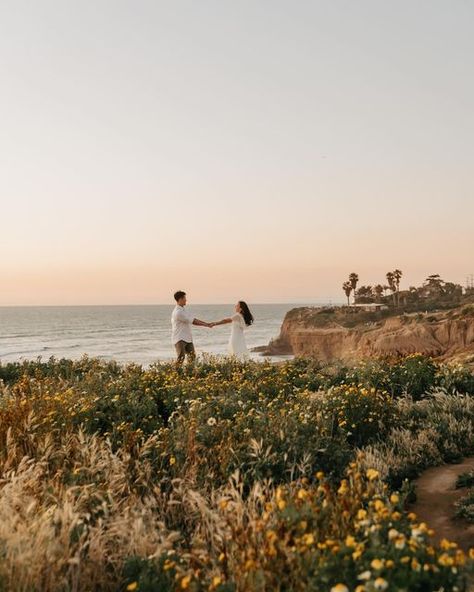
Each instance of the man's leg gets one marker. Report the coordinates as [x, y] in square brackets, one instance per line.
[190, 352]
[180, 348]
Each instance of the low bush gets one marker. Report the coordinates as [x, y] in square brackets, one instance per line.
[465, 507]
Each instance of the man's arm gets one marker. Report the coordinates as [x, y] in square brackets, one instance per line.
[201, 323]
[184, 317]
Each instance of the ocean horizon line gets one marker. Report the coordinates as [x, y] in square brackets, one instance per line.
[321, 302]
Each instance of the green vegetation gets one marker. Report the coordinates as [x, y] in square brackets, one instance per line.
[465, 506]
[226, 476]
[465, 480]
[434, 294]
[350, 317]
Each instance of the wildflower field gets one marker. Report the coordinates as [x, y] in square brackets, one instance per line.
[227, 476]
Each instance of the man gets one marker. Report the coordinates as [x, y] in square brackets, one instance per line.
[181, 334]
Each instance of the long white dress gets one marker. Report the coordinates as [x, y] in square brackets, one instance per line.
[237, 345]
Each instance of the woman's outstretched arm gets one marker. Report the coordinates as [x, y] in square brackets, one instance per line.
[223, 322]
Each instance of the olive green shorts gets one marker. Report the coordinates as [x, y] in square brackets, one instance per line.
[183, 348]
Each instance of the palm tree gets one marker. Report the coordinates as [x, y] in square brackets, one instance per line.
[391, 283]
[353, 279]
[379, 290]
[397, 276]
[347, 287]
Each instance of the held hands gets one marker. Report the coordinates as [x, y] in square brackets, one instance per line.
[210, 325]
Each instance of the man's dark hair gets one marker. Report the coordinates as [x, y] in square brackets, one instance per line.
[178, 295]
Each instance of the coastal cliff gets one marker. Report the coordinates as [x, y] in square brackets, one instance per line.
[334, 335]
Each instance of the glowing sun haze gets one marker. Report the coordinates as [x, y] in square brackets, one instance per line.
[259, 150]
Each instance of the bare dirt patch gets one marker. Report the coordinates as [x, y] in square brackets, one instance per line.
[436, 494]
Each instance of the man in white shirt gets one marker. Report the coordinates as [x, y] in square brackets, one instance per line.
[181, 334]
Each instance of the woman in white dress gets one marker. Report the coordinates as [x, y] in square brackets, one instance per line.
[240, 320]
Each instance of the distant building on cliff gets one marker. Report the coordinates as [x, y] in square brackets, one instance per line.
[368, 307]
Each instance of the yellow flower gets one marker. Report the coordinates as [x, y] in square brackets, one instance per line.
[172, 460]
[249, 564]
[281, 504]
[379, 505]
[357, 553]
[446, 545]
[445, 560]
[361, 514]
[394, 498]
[340, 588]
[302, 494]
[350, 541]
[185, 582]
[343, 488]
[216, 580]
[415, 564]
[396, 515]
[308, 539]
[460, 557]
[372, 474]
[132, 586]
[319, 475]
[376, 564]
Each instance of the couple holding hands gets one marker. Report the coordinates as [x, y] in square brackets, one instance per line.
[182, 338]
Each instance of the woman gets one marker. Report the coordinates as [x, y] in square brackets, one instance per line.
[240, 320]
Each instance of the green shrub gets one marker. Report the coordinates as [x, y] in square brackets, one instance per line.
[465, 507]
[362, 415]
[150, 575]
[465, 480]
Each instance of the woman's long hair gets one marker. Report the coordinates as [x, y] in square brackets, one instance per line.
[248, 316]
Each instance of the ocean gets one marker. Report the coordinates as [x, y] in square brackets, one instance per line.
[138, 334]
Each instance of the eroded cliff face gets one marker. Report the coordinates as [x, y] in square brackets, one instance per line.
[438, 335]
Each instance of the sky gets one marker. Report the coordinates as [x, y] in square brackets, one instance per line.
[257, 150]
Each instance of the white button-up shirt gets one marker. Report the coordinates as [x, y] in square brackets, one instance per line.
[181, 323]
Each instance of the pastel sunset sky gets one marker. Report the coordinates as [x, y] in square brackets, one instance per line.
[258, 149]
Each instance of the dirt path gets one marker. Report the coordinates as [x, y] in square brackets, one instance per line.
[436, 494]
